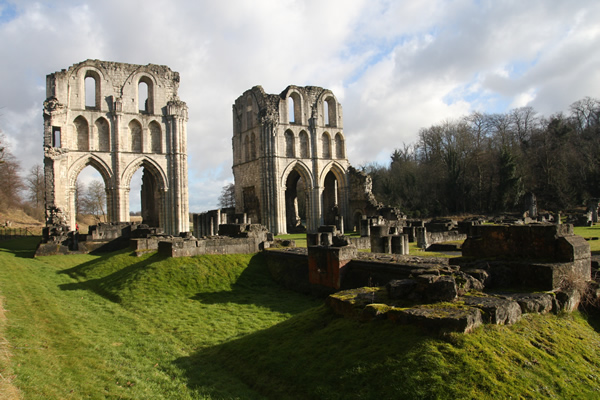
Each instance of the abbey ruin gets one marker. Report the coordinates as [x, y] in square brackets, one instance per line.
[117, 118]
[289, 149]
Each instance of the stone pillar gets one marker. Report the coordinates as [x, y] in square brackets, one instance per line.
[365, 227]
[326, 265]
[421, 233]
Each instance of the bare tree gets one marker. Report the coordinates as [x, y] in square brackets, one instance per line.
[227, 197]
[10, 180]
[94, 200]
[34, 182]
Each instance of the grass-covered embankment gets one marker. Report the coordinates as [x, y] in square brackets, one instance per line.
[117, 326]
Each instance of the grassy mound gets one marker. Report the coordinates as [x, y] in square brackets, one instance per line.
[118, 326]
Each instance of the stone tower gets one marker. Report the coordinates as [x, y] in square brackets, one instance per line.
[117, 118]
[289, 159]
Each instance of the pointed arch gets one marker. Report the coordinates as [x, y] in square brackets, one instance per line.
[290, 146]
[337, 169]
[102, 134]
[155, 137]
[330, 111]
[297, 188]
[295, 108]
[94, 161]
[153, 190]
[145, 100]
[303, 170]
[145, 162]
[340, 150]
[78, 96]
[304, 145]
[325, 145]
[135, 136]
[82, 134]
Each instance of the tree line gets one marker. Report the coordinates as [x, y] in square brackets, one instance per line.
[486, 163]
[28, 192]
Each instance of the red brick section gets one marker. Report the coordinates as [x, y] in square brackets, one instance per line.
[326, 264]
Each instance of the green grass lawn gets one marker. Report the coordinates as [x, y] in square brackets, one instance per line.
[117, 326]
[589, 232]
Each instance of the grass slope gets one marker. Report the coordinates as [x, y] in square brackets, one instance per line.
[117, 326]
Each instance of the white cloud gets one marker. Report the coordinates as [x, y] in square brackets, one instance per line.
[396, 66]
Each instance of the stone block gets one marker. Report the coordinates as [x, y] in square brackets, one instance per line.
[439, 319]
[540, 303]
[496, 310]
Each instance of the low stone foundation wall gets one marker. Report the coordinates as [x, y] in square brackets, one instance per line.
[178, 247]
[426, 239]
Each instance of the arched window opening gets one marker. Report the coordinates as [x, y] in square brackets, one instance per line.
[296, 203]
[155, 137]
[330, 112]
[135, 134]
[304, 145]
[330, 199]
[102, 135]
[291, 116]
[82, 130]
[253, 146]
[90, 92]
[326, 142]
[339, 146]
[90, 198]
[143, 97]
[144, 198]
[290, 150]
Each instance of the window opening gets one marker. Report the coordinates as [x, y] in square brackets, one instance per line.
[90, 92]
[56, 136]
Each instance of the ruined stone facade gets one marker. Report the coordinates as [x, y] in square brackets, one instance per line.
[289, 159]
[118, 118]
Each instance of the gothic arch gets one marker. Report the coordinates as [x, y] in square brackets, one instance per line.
[325, 145]
[145, 162]
[335, 168]
[85, 70]
[298, 199]
[155, 134]
[302, 169]
[102, 137]
[339, 146]
[148, 107]
[290, 145]
[136, 144]
[298, 107]
[81, 134]
[94, 161]
[304, 144]
[331, 119]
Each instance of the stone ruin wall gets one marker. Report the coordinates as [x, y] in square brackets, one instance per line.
[273, 146]
[117, 136]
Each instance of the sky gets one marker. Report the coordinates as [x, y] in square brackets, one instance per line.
[395, 66]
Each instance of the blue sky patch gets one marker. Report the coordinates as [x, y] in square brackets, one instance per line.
[8, 11]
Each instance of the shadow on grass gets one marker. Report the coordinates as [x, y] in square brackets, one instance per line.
[21, 247]
[315, 354]
[109, 285]
[255, 286]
